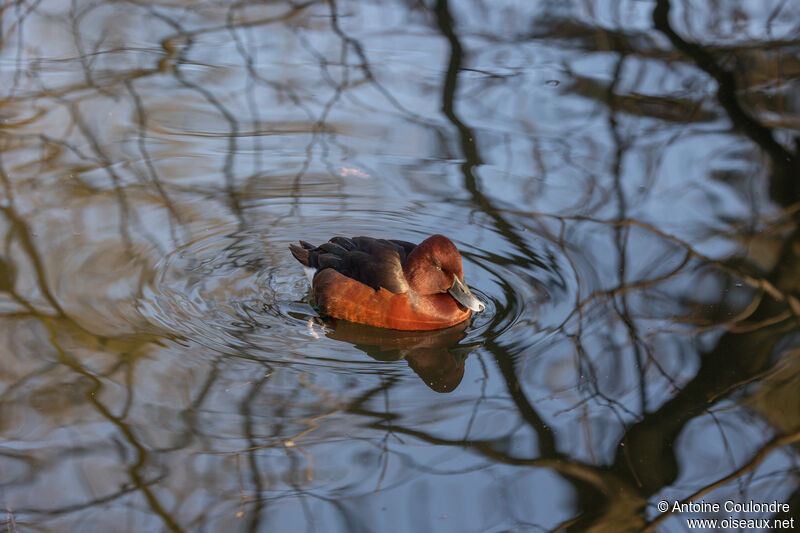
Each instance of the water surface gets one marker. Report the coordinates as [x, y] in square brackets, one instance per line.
[621, 179]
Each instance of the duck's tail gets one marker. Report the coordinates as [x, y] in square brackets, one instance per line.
[301, 252]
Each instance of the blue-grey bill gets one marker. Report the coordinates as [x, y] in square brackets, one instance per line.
[462, 294]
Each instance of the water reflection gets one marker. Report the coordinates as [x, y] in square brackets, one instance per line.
[436, 357]
[620, 178]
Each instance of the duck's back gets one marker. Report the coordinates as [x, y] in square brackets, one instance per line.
[374, 262]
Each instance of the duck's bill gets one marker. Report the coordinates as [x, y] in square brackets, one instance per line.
[462, 294]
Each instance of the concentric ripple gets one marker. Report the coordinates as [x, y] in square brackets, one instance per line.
[241, 291]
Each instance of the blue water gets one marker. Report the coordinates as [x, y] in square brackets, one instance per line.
[631, 226]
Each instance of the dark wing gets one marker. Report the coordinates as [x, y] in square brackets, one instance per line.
[374, 262]
[405, 245]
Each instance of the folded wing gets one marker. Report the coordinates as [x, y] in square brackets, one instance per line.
[374, 262]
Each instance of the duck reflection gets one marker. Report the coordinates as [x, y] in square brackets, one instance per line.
[435, 356]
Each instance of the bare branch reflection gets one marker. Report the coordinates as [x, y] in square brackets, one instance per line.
[622, 180]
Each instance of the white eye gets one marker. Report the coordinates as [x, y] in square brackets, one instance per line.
[438, 268]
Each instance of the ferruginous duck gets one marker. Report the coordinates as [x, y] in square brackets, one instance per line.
[389, 283]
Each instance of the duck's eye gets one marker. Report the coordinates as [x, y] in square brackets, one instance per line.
[438, 267]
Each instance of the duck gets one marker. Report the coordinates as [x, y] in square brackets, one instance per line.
[389, 283]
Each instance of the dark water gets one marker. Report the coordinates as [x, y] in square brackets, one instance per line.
[621, 177]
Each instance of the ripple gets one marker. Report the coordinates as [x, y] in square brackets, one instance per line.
[216, 291]
[240, 292]
[520, 296]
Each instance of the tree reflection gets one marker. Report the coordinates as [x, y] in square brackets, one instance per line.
[155, 156]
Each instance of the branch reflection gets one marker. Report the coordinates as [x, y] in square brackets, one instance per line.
[623, 178]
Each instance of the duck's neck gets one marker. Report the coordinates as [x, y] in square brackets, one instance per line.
[416, 264]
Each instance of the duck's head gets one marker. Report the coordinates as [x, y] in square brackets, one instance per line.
[434, 267]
